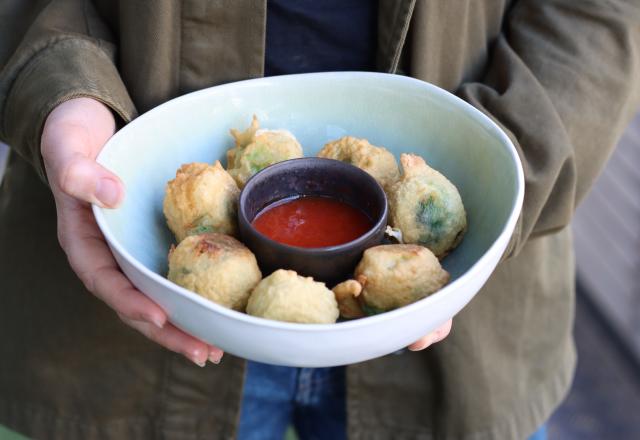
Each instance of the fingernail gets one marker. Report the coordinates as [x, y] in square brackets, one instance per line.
[195, 356]
[423, 345]
[108, 192]
[156, 321]
[215, 356]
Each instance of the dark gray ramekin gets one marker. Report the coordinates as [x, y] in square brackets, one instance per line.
[312, 176]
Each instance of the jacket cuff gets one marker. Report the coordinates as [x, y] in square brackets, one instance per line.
[65, 69]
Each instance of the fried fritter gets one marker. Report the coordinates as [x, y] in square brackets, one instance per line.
[286, 296]
[426, 207]
[257, 149]
[395, 275]
[347, 294]
[377, 161]
[201, 198]
[217, 267]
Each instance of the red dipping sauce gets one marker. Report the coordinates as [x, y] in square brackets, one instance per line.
[312, 222]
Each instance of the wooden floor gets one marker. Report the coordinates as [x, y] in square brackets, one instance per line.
[4, 153]
[605, 395]
[607, 240]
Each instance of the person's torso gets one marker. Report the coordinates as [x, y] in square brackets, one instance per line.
[170, 48]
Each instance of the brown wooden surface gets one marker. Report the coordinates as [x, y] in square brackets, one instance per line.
[607, 240]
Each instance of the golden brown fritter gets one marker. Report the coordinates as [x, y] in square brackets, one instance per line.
[257, 149]
[426, 207]
[217, 267]
[377, 161]
[201, 198]
[286, 296]
[347, 294]
[395, 275]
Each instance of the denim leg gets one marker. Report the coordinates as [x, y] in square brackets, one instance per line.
[320, 404]
[267, 401]
[540, 434]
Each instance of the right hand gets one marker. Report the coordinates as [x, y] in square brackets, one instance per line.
[73, 135]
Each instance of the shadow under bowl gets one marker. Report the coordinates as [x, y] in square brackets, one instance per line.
[312, 176]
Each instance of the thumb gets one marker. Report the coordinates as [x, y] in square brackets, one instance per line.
[73, 135]
[83, 178]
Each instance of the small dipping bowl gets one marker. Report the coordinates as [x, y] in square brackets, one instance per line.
[312, 176]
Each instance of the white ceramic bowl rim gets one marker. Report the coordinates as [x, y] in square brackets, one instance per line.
[435, 297]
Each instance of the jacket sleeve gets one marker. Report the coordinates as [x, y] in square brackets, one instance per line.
[564, 81]
[66, 52]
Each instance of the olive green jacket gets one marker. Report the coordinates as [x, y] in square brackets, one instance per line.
[562, 77]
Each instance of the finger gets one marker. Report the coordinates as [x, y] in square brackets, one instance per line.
[112, 287]
[437, 335]
[81, 177]
[178, 341]
[92, 261]
[73, 135]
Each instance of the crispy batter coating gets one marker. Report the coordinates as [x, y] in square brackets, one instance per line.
[257, 149]
[201, 198]
[426, 207]
[377, 161]
[347, 294]
[217, 267]
[395, 275]
[286, 296]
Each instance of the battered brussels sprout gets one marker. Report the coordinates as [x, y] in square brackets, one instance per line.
[202, 198]
[426, 207]
[215, 266]
[286, 296]
[395, 275]
[377, 161]
[257, 149]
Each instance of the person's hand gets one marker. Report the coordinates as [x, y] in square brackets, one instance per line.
[73, 135]
[435, 336]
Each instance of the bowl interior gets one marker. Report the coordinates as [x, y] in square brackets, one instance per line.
[402, 114]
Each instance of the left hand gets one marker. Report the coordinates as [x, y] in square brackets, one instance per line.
[435, 336]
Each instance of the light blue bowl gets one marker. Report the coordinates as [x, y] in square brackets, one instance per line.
[403, 114]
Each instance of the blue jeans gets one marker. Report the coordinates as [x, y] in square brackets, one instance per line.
[540, 434]
[310, 399]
